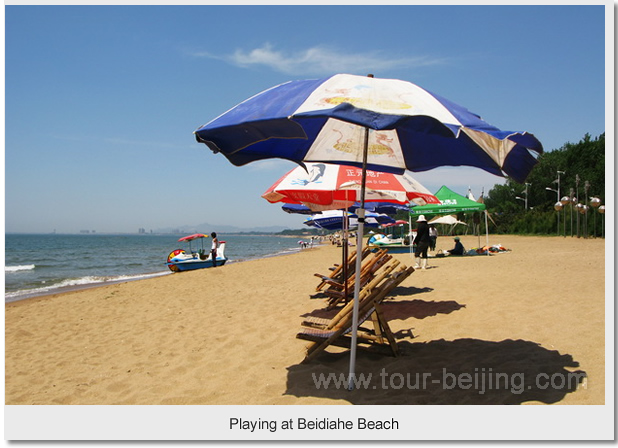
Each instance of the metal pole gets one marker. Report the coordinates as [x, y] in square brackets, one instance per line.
[359, 250]
[586, 188]
[346, 226]
[571, 204]
[577, 197]
[486, 232]
[594, 229]
[564, 219]
[558, 200]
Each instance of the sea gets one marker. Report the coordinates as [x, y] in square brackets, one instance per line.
[37, 265]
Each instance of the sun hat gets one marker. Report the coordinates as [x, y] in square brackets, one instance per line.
[421, 219]
[456, 238]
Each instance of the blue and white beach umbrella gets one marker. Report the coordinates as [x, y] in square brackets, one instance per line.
[324, 120]
[334, 220]
[378, 124]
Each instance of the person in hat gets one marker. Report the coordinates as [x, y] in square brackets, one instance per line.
[421, 241]
[458, 249]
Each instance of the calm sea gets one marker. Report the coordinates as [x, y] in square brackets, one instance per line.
[43, 264]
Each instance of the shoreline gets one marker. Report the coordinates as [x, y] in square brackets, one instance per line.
[227, 336]
[31, 294]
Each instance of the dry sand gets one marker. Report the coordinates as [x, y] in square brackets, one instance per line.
[227, 335]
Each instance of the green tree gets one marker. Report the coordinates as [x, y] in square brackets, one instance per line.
[584, 161]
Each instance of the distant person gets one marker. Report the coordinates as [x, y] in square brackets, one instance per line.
[422, 241]
[458, 249]
[433, 237]
[213, 249]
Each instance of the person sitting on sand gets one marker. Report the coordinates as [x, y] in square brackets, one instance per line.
[458, 249]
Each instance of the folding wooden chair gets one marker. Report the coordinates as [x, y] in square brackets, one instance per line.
[336, 331]
[344, 290]
[337, 270]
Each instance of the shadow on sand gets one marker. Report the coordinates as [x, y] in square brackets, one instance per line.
[400, 309]
[463, 371]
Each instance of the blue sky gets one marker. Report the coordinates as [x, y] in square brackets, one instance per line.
[101, 101]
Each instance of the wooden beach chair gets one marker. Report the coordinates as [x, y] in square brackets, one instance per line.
[344, 290]
[336, 331]
[337, 270]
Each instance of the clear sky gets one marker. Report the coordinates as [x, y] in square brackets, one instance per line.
[101, 101]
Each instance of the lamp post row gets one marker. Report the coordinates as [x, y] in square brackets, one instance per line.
[573, 201]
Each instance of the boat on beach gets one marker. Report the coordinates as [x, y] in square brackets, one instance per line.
[180, 260]
[390, 243]
[395, 244]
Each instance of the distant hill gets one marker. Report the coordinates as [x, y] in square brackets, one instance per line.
[219, 228]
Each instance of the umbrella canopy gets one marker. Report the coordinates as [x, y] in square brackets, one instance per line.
[193, 237]
[378, 124]
[399, 222]
[448, 219]
[297, 209]
[333, 220]
[450, 202]
[387, 208]
[324, 120]
[324, 186]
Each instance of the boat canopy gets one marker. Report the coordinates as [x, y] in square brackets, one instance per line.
[193, 237]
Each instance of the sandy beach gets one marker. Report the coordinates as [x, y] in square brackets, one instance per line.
[226, 336]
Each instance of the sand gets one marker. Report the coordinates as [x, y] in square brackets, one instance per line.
[227, 335]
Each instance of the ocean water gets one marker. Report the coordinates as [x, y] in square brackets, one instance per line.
[44, 264]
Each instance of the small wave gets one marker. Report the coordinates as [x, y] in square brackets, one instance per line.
[78, 283]
[24, 267]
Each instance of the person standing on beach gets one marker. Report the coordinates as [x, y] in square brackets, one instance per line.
[422, 241]
[433, 237]
[213, 249]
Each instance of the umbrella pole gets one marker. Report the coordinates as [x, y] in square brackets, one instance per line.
[345, 254]
[410, 234]
[486, 232]
[359, 250]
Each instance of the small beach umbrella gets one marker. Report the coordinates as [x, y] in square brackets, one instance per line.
[386, 208]
[377, 124]
[325, 186]
[298, 209]
[335, 220]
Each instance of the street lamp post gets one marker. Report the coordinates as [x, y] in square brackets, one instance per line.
[577, 200]
[557, 207]
[571, 198]
[586, 188]
[525, 192]
[564, 201]
[595, 203]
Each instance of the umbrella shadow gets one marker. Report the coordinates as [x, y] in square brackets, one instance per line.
[396, 292]
[400, 309]
[459, 372]
[419, 309]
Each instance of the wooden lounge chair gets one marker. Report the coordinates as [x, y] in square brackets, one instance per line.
[344, 290]
[336, 331]
[337, 270]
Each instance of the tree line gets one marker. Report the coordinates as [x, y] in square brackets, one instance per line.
[529, 208]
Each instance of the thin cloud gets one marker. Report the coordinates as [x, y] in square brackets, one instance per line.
[318, 60]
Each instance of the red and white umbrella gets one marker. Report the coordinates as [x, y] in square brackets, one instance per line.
[324, 186]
